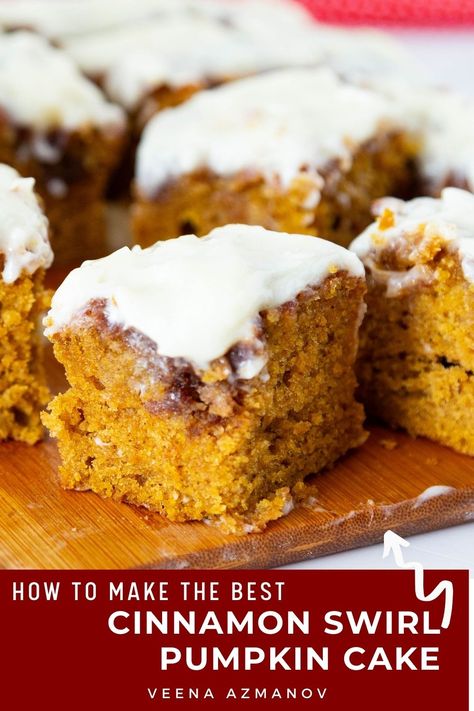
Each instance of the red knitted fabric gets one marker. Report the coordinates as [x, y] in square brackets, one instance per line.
[434, 13]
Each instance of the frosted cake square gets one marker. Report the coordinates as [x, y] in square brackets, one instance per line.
[208, 377]
[147, 56]
[25, 253]
[296, 150]
[416, 362]
[57, 127]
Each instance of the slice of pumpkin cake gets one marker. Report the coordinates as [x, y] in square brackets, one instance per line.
[25, 253]
[416, 359]
[208, 376]
[57, 127]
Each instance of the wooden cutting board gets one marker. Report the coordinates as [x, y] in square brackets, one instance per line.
[391, 482]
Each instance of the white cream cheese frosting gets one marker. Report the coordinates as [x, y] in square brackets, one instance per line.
[135, 46]
[235, 38]
[24, 242]
[447, 123]
[133, 61]
[60, 19]
[188, 48]
[40, 86]
[197, 298]
[450, 217]
[277, 124]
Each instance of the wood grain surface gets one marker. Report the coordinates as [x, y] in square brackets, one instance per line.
[387, 483]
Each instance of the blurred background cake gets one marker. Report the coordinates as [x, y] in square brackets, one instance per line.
[57, 127]
[295, 150]
[125, 61]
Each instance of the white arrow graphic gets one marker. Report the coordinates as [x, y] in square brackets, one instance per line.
[393, 543]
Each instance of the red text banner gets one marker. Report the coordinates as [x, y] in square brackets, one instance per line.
[312, 639]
